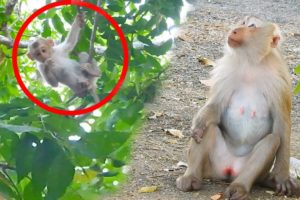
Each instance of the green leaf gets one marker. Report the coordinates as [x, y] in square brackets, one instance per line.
[113, 6]
[144, 40]
[141, 24]
[118, 163]
[24, 155]
[297, 70]
[153, 21]
[42, 16]
[8, 143]
[63, 125]
[128, 29]
[18, 129]
[120, 20]
[46, 32]
[16, 104]
[51, 13]
[60, 177]
[57, 23]
[68, 17]
[160, 28]
[43, 158]
[160, 49]
[297, 88]
[132, 113]
[109, 174]
[6, 188]
[31, 194]
[114, 50]
[172, 9]
[101, 144]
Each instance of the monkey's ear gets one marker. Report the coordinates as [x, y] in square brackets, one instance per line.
[275, 41]
[50, 42]
[29, 55]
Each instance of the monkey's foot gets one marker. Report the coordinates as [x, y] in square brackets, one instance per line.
[82, 89]
[236, 191]
[83, 85]
[88, 69]
[290, 187]
[197, 134]
[188, 183]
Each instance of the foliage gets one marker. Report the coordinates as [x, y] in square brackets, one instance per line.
[297, 71]
[47, 156]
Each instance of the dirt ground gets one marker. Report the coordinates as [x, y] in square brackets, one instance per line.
[156, 153]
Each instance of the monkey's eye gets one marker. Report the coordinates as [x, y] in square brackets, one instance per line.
[252, 25]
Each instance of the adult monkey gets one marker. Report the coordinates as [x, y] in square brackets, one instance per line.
[244, 128]
[56, 66]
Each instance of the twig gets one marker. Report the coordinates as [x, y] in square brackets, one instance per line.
[9, 7]
[6, 166]
[78, 9]
[93, 36]
[9, 42]
[12, 183]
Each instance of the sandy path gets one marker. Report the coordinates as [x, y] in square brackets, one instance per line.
[182, 94]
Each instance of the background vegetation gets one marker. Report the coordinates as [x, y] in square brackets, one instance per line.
[48, 156]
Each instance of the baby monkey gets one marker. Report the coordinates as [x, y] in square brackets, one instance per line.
[55, 65]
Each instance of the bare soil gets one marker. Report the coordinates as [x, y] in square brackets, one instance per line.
[156, 153]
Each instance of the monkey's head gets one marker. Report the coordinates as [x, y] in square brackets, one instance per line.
[40, 49]
[254, 36]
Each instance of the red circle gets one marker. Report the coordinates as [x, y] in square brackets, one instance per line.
[113, 91]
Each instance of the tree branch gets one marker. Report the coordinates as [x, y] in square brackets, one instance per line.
[9, 42]
[5, 166]
[9, 7]
[93, 36]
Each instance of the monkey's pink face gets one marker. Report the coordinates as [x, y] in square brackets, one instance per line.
[41, 50]
[252, 30]
[243, 32]
[239, 35]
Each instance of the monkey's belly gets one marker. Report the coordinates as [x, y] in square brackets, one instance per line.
[246, 121]
[225, 164]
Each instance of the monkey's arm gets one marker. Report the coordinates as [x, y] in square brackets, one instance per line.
[207, 115]
[72, 37]
[48, 73]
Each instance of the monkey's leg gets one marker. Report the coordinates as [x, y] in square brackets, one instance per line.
[198, 158]
[89, 70]
[83, 57]
[258, 165]
[94, 94]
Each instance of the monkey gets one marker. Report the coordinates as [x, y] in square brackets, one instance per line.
[91, 72]
[242, 133]
[55, 65]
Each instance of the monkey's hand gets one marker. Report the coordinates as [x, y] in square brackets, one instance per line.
[206, 116]
[198, 129]
[48, 64]
[80, 19]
